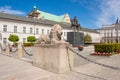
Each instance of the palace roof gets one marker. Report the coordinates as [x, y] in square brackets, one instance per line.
[40, 21]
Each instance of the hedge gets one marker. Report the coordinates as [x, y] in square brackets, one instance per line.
[107, 47]
[26, 44]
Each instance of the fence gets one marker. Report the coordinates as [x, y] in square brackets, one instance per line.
[19, 50]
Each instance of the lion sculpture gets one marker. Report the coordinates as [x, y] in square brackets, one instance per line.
[53, 37]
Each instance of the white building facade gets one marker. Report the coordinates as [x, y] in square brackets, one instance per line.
[110, 33]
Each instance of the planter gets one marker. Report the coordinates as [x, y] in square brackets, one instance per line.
[80, 48]
[101, 54]
[118, 52]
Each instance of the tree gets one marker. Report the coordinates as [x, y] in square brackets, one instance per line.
[87, 38]
[31, 39]
[13, 38]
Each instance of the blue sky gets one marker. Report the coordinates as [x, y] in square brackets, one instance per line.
[90, 13]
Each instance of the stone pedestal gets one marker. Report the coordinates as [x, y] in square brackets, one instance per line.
[52, 57]
[75, 38]
[20, 50]
[7, 49]
[0, 48]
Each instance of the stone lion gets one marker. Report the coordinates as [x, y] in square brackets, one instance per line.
[53, 37]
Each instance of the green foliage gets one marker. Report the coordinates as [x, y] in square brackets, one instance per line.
[15, 44]
[107, 47]
[26, 44]
[13, 38]
[117, 46]
[31, 39]
[87, 38]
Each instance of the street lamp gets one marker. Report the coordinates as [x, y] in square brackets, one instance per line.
[118, 32]
[34, 28]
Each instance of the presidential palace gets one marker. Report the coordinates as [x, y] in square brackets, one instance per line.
[36, 23]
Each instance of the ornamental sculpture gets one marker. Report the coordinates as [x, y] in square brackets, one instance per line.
[34, 13]
[53, 37]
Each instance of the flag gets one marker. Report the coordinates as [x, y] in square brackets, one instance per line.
[117, 21]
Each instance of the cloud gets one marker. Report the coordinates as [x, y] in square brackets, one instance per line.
[105, 12]
[9, 10]
[89, 4]
[109, 11]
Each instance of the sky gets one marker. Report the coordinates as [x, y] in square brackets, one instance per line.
[91, 14]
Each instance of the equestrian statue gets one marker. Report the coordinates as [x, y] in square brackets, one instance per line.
[74, 24]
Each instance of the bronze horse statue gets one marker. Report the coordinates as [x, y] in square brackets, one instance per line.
[74, 24]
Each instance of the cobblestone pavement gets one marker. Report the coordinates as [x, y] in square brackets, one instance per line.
[15, 69]
[91, 69]
[86, 52]
[100, 71]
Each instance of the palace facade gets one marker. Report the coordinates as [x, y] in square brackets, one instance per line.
[110, 33]
[37, 23]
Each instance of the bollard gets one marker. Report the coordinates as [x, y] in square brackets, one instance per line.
[0, 48]
[20, 50]
[7, 49]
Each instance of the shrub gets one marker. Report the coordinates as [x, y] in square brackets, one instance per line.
[25, 44]
[13, 38]
[117, 46]
[107, 47]
[31, 39]
[28, 44]
[87, 38]
[15, 44]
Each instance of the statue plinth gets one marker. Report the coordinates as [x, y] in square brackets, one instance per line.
[75, 38]
[53, 57]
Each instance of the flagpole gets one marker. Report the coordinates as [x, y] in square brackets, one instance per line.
[117, 33]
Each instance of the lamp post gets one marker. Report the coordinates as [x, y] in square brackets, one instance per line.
[118, 33]
[34, 28]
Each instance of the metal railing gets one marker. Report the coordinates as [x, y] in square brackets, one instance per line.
[2, 49]
[85, 58]
[12, 49]
[26, 51]
[77, 71]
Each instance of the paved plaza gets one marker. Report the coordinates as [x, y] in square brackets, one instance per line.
[12, 68]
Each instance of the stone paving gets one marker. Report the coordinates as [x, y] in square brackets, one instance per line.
[100, 71]
[15, 69]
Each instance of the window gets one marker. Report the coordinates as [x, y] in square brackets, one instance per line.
[64, 33]
[15, 29]
[111, 40]
[111, 34]
[47, 31]
[105, 40]
[5, 28]
[107, 34]
[104, 34]
[42, 31]
[37, 31]
[24, 39]
[24, 29]
[108, 40]
[31, 30]
[116, 33]
[4, 40]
